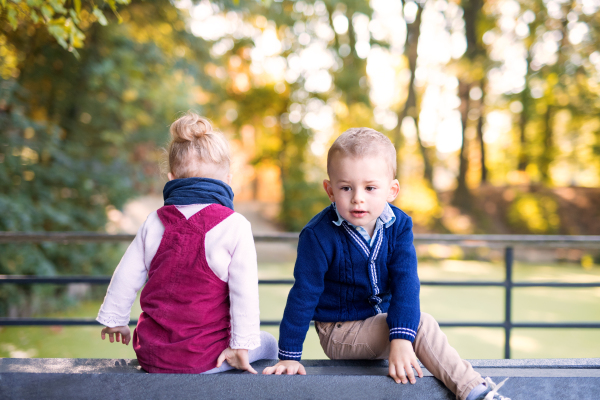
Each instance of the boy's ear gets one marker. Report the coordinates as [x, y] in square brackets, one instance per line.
[394, 190]
[328, 189]
[170, 176]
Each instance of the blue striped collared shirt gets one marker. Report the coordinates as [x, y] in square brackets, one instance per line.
[386, 219]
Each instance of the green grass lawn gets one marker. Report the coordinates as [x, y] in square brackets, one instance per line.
[444, 303]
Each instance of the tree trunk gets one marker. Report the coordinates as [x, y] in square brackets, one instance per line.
[524, 119]
[462, 195]
[410, 106]
[547, 155]
[480, 132]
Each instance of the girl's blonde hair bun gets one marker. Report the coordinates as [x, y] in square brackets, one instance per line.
[196, 149]
[190, 127]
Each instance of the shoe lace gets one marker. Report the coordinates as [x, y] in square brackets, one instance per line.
[494, 395]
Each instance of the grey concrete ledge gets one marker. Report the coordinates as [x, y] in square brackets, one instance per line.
[124, 379]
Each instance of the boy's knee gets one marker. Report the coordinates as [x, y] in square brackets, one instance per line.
[427, 321]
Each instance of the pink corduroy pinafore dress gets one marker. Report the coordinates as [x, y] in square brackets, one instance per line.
[185, 322]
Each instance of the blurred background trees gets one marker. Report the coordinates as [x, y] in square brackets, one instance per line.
[493, 106]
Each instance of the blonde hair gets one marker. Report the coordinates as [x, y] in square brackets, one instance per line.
[362, 142]
[196, 149]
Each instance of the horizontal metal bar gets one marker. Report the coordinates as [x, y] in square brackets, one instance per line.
[513, 284]
[96, 280]
[103, 280]
[464, 283]
[60, 280]
[556, 284]
[450, 324]
[51, 322]
[553, 241]
[576, 241]
[63, 237]
[276, 282]
[578, 325]
[471, 324]
[97, 237]
[569, 325]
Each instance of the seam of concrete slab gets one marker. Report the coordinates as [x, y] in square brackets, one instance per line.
[525, 367]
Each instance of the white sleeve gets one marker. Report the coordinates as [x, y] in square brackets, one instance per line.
[243, 291]
[130, 274]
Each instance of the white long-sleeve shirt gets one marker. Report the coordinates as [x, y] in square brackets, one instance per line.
[230, 254]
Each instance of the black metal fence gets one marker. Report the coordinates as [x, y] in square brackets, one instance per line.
[508, 242]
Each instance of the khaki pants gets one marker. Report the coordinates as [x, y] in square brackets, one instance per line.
[369, 339]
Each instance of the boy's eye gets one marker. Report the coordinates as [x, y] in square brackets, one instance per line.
[370, 188]
[346, 188]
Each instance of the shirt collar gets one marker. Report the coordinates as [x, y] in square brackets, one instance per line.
[387, 216]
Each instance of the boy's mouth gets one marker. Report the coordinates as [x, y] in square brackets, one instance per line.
[358, 213]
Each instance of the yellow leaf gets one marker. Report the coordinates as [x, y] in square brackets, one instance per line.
[101, 18]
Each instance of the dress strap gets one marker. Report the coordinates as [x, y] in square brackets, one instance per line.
[169, 215]
[211, 216]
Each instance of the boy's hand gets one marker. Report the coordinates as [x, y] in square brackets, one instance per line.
[289, 367]
[237, 358]
[403, 358]
[117, 331]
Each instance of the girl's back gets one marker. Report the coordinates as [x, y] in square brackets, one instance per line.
[185, 321]
[200, 304]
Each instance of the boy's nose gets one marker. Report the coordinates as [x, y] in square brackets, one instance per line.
[358, 197]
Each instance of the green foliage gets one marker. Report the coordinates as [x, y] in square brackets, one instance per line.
[302, 202]
[80, 136]
[531, 213]
[65, 20]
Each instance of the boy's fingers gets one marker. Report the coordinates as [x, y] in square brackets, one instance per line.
[267, 371]
[418, 368]
[102, 334]
[410, 374]
[270, 370]
[111, 337]
[281, 369]
[301, 370]
[400, 374]
[393, 375]
[118, 336]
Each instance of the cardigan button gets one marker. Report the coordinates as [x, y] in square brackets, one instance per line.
[339, 325]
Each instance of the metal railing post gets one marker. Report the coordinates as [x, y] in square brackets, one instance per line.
[508, 284]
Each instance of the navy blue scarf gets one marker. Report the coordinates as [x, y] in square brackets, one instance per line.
[181, 192]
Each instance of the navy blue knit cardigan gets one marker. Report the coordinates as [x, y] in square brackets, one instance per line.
[340, 278]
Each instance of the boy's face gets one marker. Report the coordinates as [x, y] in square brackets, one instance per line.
[360, 188]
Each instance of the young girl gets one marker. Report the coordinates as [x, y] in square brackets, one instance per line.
[200, 304]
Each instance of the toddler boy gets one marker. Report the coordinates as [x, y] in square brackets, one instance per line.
[356, 277]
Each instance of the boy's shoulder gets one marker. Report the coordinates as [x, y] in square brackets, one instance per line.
[402, 223]
[401, 217]
[323, 221]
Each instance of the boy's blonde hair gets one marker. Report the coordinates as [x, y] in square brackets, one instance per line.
[196, 149]
[363, 142]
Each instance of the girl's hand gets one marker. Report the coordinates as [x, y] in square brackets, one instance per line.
[403, 358]
[117, 331]
[290, 367]
[237, 358]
